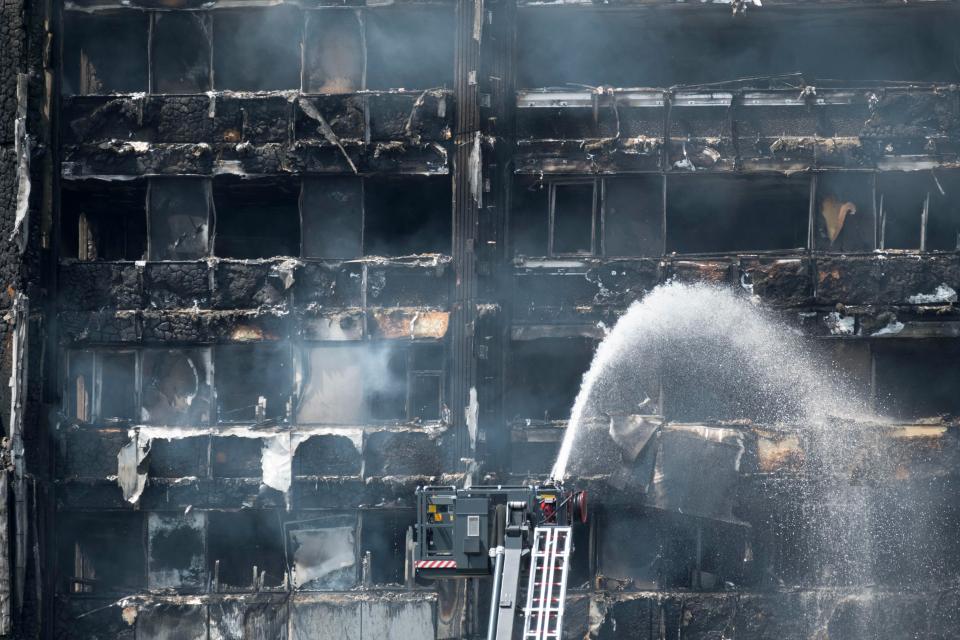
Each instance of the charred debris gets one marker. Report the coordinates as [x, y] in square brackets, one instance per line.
[274, 264]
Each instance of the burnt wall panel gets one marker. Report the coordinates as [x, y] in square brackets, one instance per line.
[327, 455]
[329, 284]
[389, 453]
[93, 286]
[90, 453]
[179, 458]
[175, 285]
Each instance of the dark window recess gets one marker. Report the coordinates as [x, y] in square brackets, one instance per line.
[332, 218]
[529, 216]
[179, 214]
[545, 376]
[902, 201]
[408, 215]
[384, 535]
[916, 211]
[244, 547]
[236, 457]
[257, 49]
[104, 54]
[425, 382]
[917, 378]
[175, 386]
[844, 212]
[573, 207]
[628, 547]
[175, 547]
[333, 57]
[943, 218]
[101, 553]
[633, 216]
[181, 52]
[561, 48]
[713, 214]
[117, 385]
[102, 385]
[104, 220]
[256, 219]
[253, 382]
[410, 48]
[323, 552]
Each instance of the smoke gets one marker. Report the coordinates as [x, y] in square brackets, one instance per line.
[599, 47]
[726, 357]
[700, 351]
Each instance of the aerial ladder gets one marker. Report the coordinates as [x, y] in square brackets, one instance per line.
[503, 532]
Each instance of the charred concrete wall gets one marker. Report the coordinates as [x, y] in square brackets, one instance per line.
[287, 261]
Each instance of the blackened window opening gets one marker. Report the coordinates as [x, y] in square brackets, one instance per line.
[529, 217]
[943, 216]
[181, 52]
[425, 382]
[545, 375]
[383, 533]
[101, 553]
[179, 215]
[246, 549]
[104, 54]
[256, 218]
[257, 49]
[408, 215]
[410, 48]
[917, 378]
[102, 385]
[916, 211]
[844, 214]
[633, 216]
[713, 214]
[252, 381]
[104, 220]
[573, 207]
[332, 217]
[175, 388]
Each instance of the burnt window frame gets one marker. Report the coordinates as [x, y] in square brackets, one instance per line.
[205, 353]
[317, 220]
[374, 519]
[415, 371]
[78, 16]
[596, 212]
[96, 353]
[674, 182]
[206, 18]
[78, 229]
[207, 183]
[942, 187]
[816, 243]
[68, 582]
[96, 390]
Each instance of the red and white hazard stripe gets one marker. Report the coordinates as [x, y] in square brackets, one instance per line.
[436, 564]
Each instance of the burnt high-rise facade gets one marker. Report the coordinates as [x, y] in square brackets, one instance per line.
[268, 266]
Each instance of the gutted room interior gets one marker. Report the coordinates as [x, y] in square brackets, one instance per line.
[274, 265]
